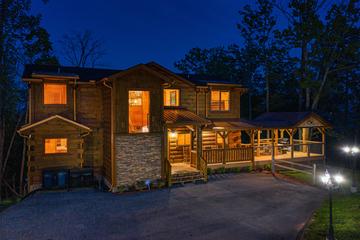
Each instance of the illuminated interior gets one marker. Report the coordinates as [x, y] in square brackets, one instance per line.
[54, 93]
[171, 97]
[139, 110]
[219, 139]
[220, 100]
[183, 139]
[55, 145]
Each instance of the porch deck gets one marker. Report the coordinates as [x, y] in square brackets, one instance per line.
[181, 168]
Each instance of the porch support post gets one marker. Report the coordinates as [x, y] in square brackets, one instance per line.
[272, 152]
[292, 131]
[226, 145]
[165, 152]
[252, 147]
[276, 133]
[198, 146]
[258, 142]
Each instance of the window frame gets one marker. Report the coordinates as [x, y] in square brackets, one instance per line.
[128, 110]
[219, 106]
[55, 104]
[56, 153]
[178, 90]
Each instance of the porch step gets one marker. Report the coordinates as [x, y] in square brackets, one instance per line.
[187, 177]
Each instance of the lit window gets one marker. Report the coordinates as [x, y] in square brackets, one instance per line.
[219, 139]
[171, 97]
[54, 93]
[55, 145]
[139, 109]
[183, 139]
[220, 100]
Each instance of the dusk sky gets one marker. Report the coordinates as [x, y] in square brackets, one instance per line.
[140, 31]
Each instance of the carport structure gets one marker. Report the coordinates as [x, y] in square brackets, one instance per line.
[293, 136]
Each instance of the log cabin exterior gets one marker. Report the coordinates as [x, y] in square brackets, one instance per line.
[147, 122]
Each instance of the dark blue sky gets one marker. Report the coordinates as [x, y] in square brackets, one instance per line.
[140, 31]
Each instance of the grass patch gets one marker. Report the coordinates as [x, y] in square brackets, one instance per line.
[7, 203]
[303, 177]
[346, 217]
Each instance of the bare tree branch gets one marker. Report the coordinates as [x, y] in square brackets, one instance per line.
[82, 49]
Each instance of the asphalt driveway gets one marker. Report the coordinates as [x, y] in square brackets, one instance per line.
[239, 206]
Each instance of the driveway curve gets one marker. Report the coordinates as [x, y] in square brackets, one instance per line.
[232, 206]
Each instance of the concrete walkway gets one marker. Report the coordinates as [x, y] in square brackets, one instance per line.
[239, 206]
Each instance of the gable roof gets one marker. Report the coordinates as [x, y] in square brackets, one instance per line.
[30, 126]
[287, 119]
[178, 115]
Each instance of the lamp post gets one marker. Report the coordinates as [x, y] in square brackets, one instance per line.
[331, 182]
[353, 152]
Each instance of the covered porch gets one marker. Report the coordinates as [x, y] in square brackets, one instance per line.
[293, 136]
[183, 145]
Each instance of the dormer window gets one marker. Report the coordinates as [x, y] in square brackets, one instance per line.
[171, 97]
[54, 93]
[220, 100]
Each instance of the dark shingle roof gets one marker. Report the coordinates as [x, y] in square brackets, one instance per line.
[84, 74]
[203, 80]
[284, 119]
[232, 123]
[87, 74]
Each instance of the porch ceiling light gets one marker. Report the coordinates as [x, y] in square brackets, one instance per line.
[173, 134]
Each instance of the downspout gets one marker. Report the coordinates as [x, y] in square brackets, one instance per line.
[30, 105]
[74, 96]
[113, 173]
[82, 147]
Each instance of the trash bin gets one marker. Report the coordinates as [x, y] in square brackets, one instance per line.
[48, 179]
[62, 177]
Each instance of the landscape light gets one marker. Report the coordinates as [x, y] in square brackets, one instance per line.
[346, 149]
[339, 178]
[325, 178]
[355, 149]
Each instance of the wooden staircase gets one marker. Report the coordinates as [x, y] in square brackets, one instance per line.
[187, 177]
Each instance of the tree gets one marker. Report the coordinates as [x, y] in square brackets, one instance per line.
[22, 40]
[218, 61]
[257, 29]
[337, 49]
[82, 49]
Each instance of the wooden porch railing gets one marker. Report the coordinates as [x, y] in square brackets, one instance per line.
[213, 156]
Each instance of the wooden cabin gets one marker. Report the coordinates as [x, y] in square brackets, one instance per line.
[148, 123]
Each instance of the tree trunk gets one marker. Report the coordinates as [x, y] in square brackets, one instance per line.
[250, 106]
[321, 88]
[11, 145]
[23, 158]
[2, 139]
[300, 99]
[308, 98]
